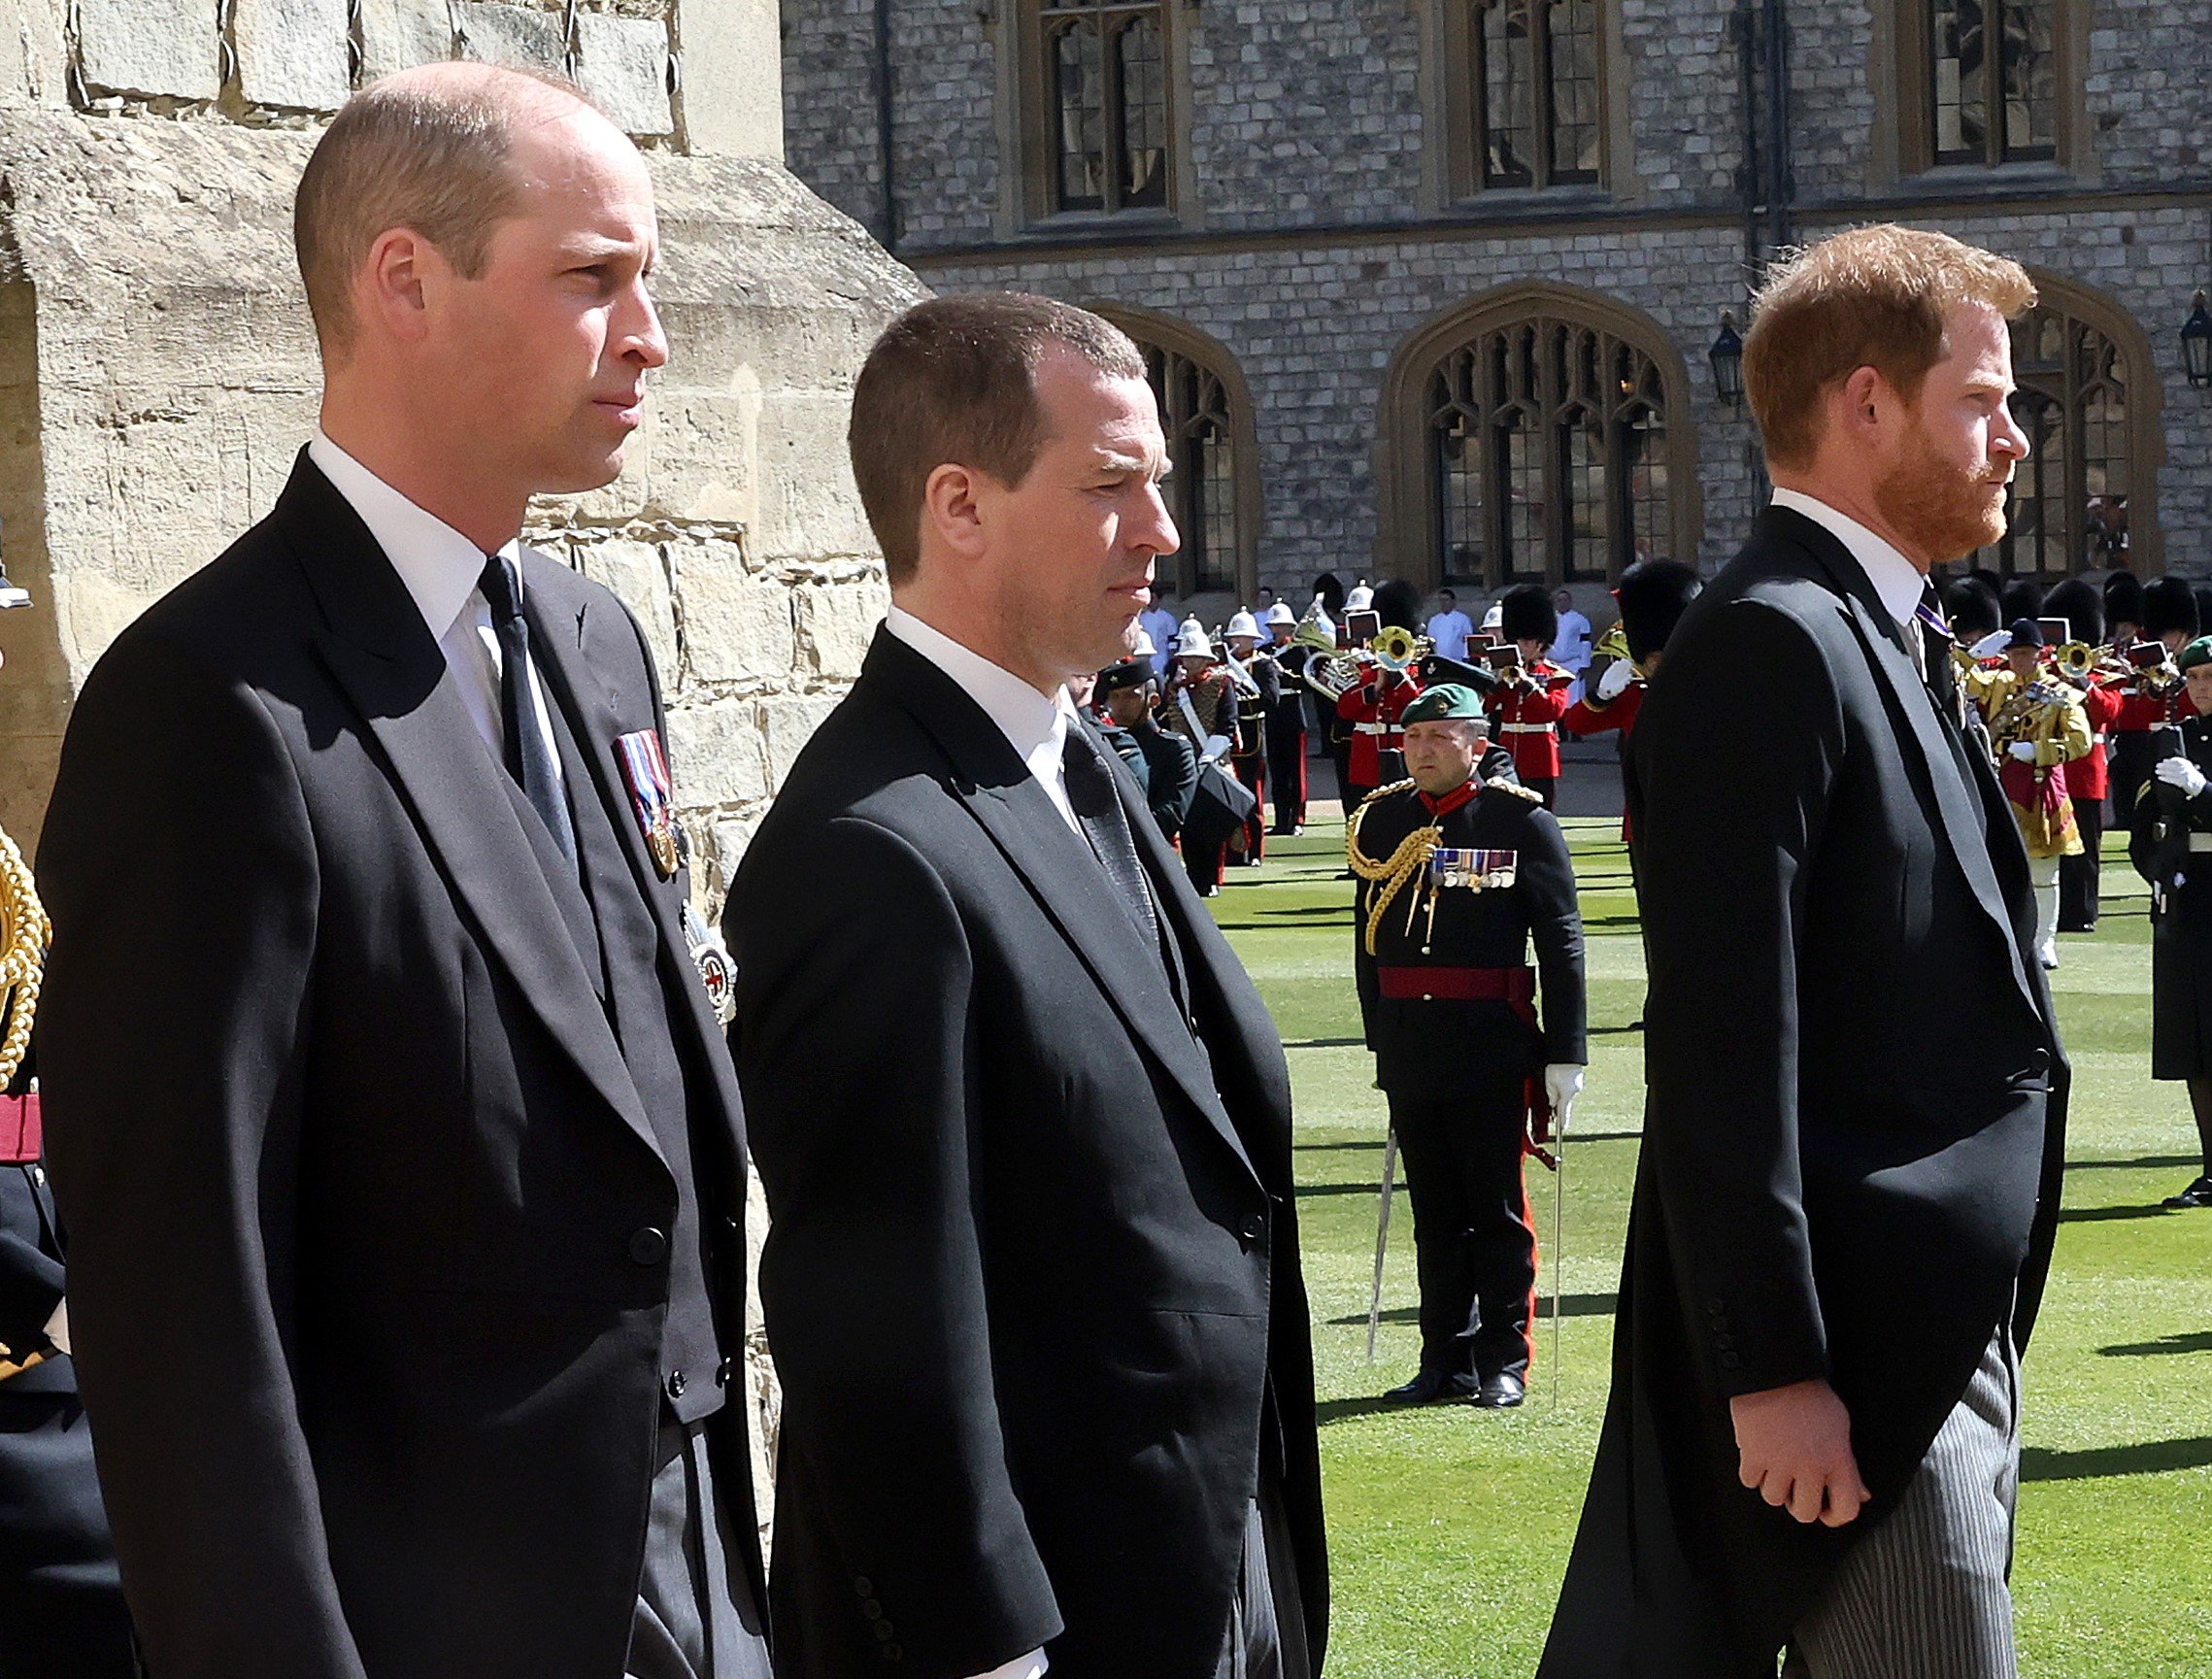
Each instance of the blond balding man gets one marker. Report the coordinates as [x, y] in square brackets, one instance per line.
[400, 1150]
[1850, 1173]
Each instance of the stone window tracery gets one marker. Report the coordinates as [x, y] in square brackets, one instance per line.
[1993, 84]
[1528, 74]
[1106, 102]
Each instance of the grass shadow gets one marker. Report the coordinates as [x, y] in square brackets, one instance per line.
[2199, 1342]
[1571, 1306]
[2105, 1215]
[2100, 1463]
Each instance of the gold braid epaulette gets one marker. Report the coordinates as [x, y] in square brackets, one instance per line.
[25, 932]
[1403, 865]
[1498, 783]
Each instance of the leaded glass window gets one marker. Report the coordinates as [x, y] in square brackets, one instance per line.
[2068, 509]
[1534, 75]
[1106, 88]
[1994, 82]
[1201, 432]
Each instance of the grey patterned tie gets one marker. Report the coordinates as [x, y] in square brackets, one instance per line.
[531, 755]
[1098, 808]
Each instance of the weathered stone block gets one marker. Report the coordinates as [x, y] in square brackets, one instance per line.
[786, 725]
[838, 620]
[623, 63]
[733, 79]
[514, 35]
[400, 34]
[639, 577]
[735, 627]
[291, 53]
[714, 753]
[156, 48]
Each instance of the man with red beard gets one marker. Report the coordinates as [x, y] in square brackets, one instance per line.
[1855, 1083]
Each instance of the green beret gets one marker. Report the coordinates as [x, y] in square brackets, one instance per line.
[1446, 700]
[2197, 653]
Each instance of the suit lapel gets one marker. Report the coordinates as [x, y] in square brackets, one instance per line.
[1057, 865]
[1972, 842]
[382, 656]
[564, 615]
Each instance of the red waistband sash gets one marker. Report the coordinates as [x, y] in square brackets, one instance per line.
[22, 1136]
[1516, 988]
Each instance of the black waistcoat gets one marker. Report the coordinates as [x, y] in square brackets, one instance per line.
[635, 976]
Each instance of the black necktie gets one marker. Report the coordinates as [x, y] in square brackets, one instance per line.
[531, 755]
[1097, 807]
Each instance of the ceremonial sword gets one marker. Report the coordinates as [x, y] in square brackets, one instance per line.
[1382, 1239]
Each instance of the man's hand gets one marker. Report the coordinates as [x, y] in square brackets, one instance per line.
[1614, 682]
[2178, 771]
[2022, 750]
[1796, 1443]
[1563, 1083]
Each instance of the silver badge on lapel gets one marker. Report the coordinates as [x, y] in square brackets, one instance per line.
[717, 972]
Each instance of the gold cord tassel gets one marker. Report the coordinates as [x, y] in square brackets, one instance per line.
[1403, 864]
[23, 934]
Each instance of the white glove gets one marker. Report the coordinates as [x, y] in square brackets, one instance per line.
[1563, 1083]
[1614, 682]
[1991, 644]
[2178, 771]
[2024, 751]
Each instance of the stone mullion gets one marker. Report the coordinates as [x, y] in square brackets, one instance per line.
[1543, 114]
[2074, 447]
[1551, 401]
[1496, 514]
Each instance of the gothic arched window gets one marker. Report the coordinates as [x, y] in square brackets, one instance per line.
[1213, 491]
[2078, 500]
[1548, 457]
[1533, 78]
[1106, 90]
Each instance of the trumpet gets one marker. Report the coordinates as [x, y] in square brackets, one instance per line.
[1613, 645]
[2081, 664]
[1399, 649]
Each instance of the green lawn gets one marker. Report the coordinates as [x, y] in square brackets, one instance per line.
[1450, 1526]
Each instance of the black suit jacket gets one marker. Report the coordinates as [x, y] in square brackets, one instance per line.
[1855, 1119]
[348, 1156]
[1032, 1275]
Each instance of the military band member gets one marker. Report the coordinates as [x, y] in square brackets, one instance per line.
[1164, 765]
[2037, 729]
[1258, 683]
[2081, 603]
[1286, 722]
[1653, 595]
[1200, 705]
[1530, 698]
[1371, 712]
[1458, 876]
[2152, 698]
[2170, 831]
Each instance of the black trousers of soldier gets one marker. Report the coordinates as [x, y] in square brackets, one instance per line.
[1545, 787]
[1203, 864]
[2133, 760]
[1252, 772]
[1287, 774]
[1474, 1239]
[2079, 878]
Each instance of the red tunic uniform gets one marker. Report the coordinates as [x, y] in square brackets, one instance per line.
[1527, 720]
[1583, 718]
[2087, 777]
[1373, 710]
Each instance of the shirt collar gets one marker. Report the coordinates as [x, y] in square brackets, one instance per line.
[439, 565]
[1032, 723]
[1899, 582]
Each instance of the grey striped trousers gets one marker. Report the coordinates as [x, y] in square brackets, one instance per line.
[1925, 1596]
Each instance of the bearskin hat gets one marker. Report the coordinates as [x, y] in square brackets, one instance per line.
[1654, 594]
[2202, 591]
[1527, 614]
[2022, 597]
[1399, 603]
[2081, 604]
[2123, 599]
[1972, 607]
[2169, 605]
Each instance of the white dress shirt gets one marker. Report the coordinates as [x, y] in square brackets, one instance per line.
[1161, 626]
[1570, 648]
[1035, 725]
[1896, 580]
[440, 569]
[1451, 632]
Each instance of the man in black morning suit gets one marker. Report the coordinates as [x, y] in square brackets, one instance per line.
[1032, 1277]
[1848, 1183]
[399, 1148]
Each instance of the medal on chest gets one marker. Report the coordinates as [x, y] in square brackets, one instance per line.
[644, 771]
[1476, 870]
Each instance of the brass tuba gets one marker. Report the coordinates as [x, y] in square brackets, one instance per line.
[1329, 673]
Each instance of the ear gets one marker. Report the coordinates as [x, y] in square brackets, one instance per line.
[393, 289]
[952, 510]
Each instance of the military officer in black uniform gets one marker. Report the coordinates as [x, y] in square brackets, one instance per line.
[2170, 837]
[1458, 876]
[1165, 764]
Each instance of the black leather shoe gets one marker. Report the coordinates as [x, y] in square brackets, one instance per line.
[2198, 1194]
[1434, 1388]
[1501, 1392]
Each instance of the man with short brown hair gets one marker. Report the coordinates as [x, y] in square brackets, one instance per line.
[406, 1228]
[1033, 1277]
[1848, 1183]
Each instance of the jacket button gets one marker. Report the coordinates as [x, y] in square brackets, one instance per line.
[2039, 1062]
[884, 1631]
[647, 1247]
[893, 1652]
[863, 1587]
[1716, 1305]
[872, 1609]
[676, 1383]
[723, 1371]
[1255, 1228]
